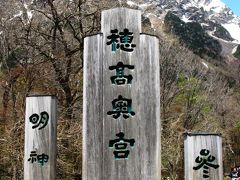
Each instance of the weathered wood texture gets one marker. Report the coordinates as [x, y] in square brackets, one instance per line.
[193, 144]
[98, 127]
[40, 140]
[92, 109]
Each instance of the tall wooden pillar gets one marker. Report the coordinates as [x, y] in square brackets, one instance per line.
[121, 115]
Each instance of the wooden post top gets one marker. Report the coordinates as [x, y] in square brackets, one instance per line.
[120, 18]
[201, 134]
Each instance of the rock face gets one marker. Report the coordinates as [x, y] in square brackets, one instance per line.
[237, 52]
[213, 15]
[193, 36]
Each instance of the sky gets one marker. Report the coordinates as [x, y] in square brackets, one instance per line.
[234, 5]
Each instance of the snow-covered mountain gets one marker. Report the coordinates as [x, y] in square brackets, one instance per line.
[213, 15]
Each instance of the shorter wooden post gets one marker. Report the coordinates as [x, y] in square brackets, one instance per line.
[203, 156]
[40, 138]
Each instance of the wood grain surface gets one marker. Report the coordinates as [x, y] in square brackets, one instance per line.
[193, 144]
[143, 162]
[40, 140]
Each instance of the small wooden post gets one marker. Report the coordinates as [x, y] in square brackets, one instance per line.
[203, 156]
[40, 138]
[121, 107]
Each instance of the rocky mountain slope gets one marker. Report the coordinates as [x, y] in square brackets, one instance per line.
[213, 15]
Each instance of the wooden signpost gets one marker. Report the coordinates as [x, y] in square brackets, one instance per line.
[203, 156]
[40, 138]
[121, 113]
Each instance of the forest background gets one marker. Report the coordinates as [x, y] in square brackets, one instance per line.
[41, 52]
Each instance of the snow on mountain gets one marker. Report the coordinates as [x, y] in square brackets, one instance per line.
[217, 12]
[213, 5]
[29, 12]
[234, 49]
[24, 11]
[131, 3]
[18, 14]
[214, 16]
[185, 19]
[234, 30]
[205, 64]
